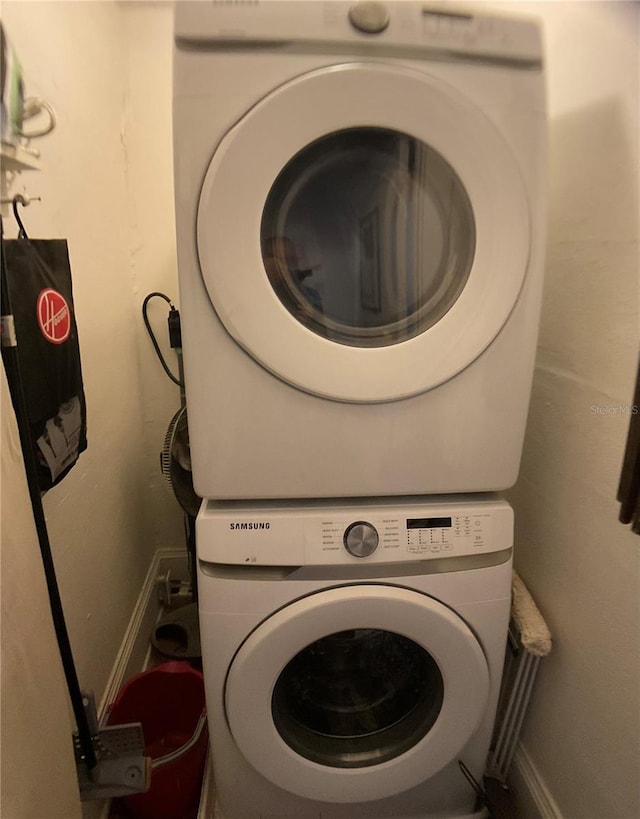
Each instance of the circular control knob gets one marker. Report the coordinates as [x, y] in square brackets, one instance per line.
[360, 539]
[369, 16]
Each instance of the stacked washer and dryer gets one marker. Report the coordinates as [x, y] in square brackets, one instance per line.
[360, 221]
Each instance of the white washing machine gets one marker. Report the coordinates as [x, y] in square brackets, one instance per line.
[360, 222]
[352, 653]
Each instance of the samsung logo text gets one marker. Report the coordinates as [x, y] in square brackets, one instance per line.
[249, 526]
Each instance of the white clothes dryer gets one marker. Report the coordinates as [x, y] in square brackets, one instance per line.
[352, 653]
[360, 222]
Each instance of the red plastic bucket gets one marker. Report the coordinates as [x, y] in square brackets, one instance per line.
[169, 702]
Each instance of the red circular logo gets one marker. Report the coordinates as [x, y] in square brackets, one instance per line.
[54, 316]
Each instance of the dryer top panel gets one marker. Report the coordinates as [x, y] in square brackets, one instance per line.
[397, 28]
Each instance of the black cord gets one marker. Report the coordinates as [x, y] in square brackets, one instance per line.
[156, 347]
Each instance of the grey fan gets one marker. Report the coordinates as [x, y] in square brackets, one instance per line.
[175, 461]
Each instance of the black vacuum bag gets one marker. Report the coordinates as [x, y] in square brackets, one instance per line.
[39, 290]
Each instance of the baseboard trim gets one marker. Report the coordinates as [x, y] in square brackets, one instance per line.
[207, 809]
[135, 650]
[533, 798]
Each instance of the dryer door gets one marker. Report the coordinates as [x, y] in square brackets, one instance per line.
[356, 693]
[363, 232]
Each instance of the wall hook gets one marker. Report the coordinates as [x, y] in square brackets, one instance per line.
[19, 199]
[23, 199]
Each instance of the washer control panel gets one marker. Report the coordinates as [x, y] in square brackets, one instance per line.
[320, 533]
[401, 534]
[421, 537]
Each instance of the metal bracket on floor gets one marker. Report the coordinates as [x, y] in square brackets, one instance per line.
[121, 767]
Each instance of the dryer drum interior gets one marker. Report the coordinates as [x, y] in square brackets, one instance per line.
[357, 698]
[368, 236]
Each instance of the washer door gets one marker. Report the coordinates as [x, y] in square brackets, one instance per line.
[356, 693]
[363, 232]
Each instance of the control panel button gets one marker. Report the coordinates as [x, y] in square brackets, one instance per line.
[360, 539]
[369, 17]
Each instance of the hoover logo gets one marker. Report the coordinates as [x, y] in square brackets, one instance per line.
[54, 316]
[250, 526]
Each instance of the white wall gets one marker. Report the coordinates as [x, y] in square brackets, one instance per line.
[106, 186]
[582, 732]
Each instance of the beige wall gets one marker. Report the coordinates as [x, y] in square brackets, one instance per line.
[106, 186]
[147, 30]
[582, 732]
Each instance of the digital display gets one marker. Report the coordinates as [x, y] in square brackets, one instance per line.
[428, 523]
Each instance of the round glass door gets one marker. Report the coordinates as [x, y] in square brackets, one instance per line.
[362, 711]
[357, 698]
[363, 232]
[368, 237]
